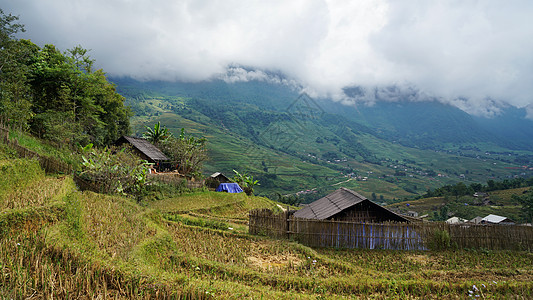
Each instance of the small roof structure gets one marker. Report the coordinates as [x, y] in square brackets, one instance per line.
[220, 177]
[480, 194]
[338, 202]
[495, 219]
[144, 147]
[476, 220]
[456, 220]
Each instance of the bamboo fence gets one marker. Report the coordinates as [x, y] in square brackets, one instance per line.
[398, 236]
[50, 165]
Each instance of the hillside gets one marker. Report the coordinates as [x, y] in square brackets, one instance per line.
[498, 202]
[293, 143]
[56, 241]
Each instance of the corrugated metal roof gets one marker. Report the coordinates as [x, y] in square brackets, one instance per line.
[330, 205]
[494, 219]
[146, 148]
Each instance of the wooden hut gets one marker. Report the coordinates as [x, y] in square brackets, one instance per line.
[145, 150]
[221, 178]
[347, 205]
[215, 179]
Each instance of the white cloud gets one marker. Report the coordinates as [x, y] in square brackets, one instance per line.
[473, 54]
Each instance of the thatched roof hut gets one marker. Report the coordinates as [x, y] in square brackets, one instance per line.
[144, 149]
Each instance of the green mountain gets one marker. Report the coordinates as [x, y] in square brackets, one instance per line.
[293, 143]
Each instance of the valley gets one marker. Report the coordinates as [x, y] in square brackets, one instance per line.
[294, 144]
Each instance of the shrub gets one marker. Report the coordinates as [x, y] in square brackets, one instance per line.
[246, 181]
[157, 190]
[187, 151]
[114, 171]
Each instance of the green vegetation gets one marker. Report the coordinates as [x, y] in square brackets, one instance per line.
[114, 170]
[156, 135]
[186, 151]
[196, 246]
[170, 242]
[526, 199]
[459, 200]
[57, 96]
[291, 145]
[246, 181]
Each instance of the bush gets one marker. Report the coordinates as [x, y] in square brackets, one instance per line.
[114, 171]
[246, 181]
[187, 151]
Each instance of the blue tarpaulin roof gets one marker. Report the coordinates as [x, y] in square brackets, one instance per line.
[229, 187]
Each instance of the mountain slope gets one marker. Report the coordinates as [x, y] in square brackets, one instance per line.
[293, 143]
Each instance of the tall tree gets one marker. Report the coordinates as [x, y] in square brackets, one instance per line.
[15, 95]
[56, 95]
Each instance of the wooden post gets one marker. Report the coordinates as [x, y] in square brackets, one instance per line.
[288, 227]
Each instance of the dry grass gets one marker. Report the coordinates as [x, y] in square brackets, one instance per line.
[38, 193]
[222, 205]
[70, 244]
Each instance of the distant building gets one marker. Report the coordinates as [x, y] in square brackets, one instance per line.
[480, 194]
[347, 205]
[456, 220]
[411, 213]
[221, 178]
[494, 219]
[476, 220]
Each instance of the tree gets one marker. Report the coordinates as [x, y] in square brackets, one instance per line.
[8, 28]
[157, 134]
[187, 151]
[527, 206]
[15, 96]
[57, 96]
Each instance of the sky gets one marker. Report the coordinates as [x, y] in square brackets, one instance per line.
[476, 55]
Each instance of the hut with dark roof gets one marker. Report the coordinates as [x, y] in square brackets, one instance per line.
[216, 179]
[347, 205]
[144, 150]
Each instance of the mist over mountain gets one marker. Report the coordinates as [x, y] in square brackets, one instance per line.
[403, 116]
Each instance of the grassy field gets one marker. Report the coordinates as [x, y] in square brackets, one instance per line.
[58, 242]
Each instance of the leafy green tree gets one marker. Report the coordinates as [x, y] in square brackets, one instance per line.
[66, 85]
[15, 96]
[527, 205]
[157, 134]
[188, 152]
[58, 96]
